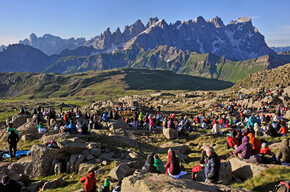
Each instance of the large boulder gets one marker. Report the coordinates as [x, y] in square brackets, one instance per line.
[225, 177]
[53, 184]
[170, 133]
[87, 166]
[19, 120]
[120, 171]
[12, 174]
[31, 137]
[116, 124]
[165, 183]
[43, 160]
[28, 128]
[73, 145]
[287, 115]
[243, 170]
[178, 147]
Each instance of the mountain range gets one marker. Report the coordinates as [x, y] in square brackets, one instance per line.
[196, 47]
[281, 49]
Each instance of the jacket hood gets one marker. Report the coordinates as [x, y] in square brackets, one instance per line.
[91, 174]
[245, 139]
[251, 135]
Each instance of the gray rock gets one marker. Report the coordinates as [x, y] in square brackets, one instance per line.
[73, 145]
[34, 187]
[120, 172]
[52, 184]
[170, 133]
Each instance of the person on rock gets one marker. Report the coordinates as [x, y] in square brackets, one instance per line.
[216, 128]
[245, 149]
[212, 166]
[149, 166]
[13, 140]
[172, 165]
[89, 182]
[232, 142]
[265, 149]
[72, 128]
[159, 164]
[283, 153]
[283, 130]
[271, 131]
[256, 144]
[9, 185]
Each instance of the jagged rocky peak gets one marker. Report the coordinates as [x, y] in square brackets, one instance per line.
[152, 21]
[218, 23]
[244, 20]
[200, 20]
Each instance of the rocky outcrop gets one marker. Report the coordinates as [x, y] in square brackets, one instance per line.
[52, 184]
[120, 171]
[243, 170]
[170, 133]
[50, 44]
[19, 120]
[73, 145]
[165, 183]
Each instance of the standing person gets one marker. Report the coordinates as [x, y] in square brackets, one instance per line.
[13, 140]
[135, 119]
[212, 166]
[9, 185]
[89, 182]
[141, 120]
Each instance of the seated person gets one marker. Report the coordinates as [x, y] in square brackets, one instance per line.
[159, 164]
[232, 142]
[84, 129]
[41, 128]
[256, 144]
[172, 165]
[149, 166]
[283, 130]
[72, 128]
[265, 149]
[245, 149]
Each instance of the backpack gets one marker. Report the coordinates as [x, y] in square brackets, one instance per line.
[283, 186]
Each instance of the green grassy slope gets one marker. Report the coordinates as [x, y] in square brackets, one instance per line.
[110, 82]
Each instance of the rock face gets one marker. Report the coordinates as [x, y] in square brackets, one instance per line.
[165, 183]
[181, 148]
[19, 120]
[244, 170]
[170, 133]
[43, 160]
[120, 171]
[52, 184]
[72, 146]
[50, 44]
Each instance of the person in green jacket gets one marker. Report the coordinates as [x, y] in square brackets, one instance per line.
[159, 164]
[106, 186]
[9, 129]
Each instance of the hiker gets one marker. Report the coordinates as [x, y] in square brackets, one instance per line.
[283, 153]
[41, 128]
[172, 165]
[271, 131]
[13, 140]
[9, 185]
[256, 144]
[251, 121]
[106, 186]
[159, 164]
[141, 122]
[89, 182]
[265, 149]
[283, 130]
[9, 129]
[72, 128]
[135, 119]
[245, 149]
[232, 142]
[258, 130]
[84, 129]
[149, 166]
[212, 166]
[215, 129]
[151, 123]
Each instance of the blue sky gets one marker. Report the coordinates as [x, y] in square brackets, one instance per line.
[88, 18]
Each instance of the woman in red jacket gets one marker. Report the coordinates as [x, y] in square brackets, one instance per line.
[172, 165]
[89, 182]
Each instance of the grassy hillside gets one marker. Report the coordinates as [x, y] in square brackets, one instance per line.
[110, 82]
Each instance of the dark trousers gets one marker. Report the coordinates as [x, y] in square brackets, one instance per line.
[12, 150]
